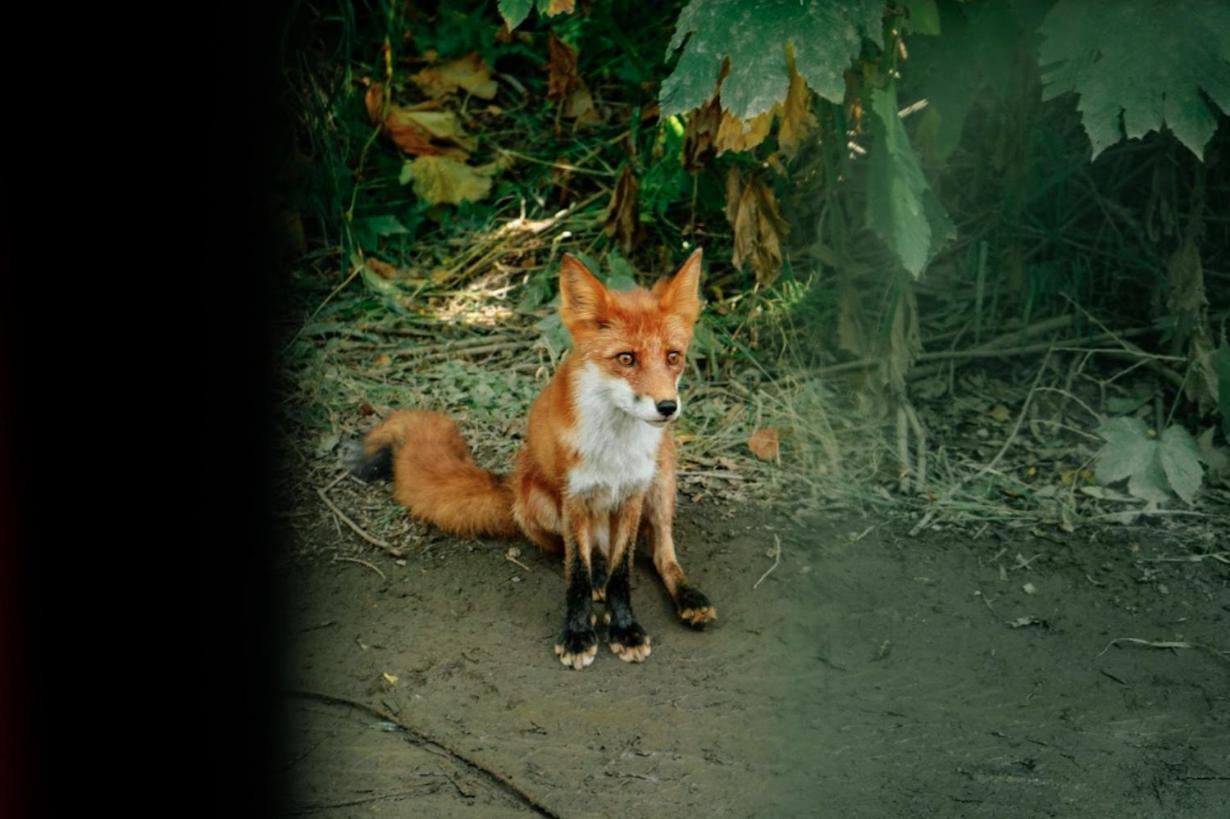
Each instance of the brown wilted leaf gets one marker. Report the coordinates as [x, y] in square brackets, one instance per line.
[699, 136]
[735, 134]
[562, 69]
[560, 7]
[418, 131]
[797, 120]
[440, 180]
[382, 269]
[758, 226]
[764, 444]
[469, 73]
[623, 219]
[564, 86]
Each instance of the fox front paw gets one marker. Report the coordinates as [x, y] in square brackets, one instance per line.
[630, 643]
[577, 647]
[694, 608]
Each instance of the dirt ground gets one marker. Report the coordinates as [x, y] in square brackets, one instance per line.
[869, 674]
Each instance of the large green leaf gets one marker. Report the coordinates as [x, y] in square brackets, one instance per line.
[827, 36]
[1145, 60]
[970, 62]
[1128, 450]
[901, 207]
[1181, 462]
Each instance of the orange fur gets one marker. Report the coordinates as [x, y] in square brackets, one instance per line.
[636, 338]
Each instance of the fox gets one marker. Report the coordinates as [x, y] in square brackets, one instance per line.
[597, 467]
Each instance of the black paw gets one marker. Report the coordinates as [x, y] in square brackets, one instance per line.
[630, 643]
[694, 608]
[577, 647]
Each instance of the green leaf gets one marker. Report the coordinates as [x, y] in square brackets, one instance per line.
[1149, 483]
[1180, 461]
[901, 207]
[622, 276]
[1145, 60]
[1221, 365]
[1128, 449]
[827, 35]
[971, 62]
[514, 12]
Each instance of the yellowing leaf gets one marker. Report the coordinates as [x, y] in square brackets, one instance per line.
[560, 7]
[469, 73]
[440, 180]
[797, 120]
[417, 131]
[764, 444]
[736, 135]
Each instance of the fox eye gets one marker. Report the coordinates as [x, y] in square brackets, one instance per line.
[672, 357]
[627, 359]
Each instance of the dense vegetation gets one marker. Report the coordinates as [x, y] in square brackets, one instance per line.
[890, 197]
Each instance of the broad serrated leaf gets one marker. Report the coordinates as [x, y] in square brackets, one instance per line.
[1128, 449]
[1180, 460]
[827, 36]
[901, 207]
[439, 180]
[1144, 60]
[1149, 483]
[514, 12]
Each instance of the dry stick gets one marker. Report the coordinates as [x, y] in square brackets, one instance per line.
[420, 738]
[1033, 388]
[1221, 655]
[777, 558]
[337, 557]
[375, 541]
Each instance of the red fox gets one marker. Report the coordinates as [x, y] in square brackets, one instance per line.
[597, 465]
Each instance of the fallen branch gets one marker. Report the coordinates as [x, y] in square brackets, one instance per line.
[375, 541]
[419, 738]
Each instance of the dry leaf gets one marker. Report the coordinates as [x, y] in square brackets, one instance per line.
[758, 226]
[797, 120]
[560, 7]
[699, 136]
[438, 180]
[469, 73]
[417, 131]
[562, 69]
[382, 269]
[623, 218]
[736, 135]
[580, 106]
[764, 444]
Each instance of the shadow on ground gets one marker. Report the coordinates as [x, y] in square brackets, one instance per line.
[870, 674]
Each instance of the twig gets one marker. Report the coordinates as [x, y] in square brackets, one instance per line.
[419, 738]
[375, 541]
[1223, 655]
[337, 557]
[777, 558]
[1220, 557]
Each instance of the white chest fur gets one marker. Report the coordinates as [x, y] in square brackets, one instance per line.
[619, 452]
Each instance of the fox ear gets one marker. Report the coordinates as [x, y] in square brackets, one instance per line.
[680, 294]
[583, 300]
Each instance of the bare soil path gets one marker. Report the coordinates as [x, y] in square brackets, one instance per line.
[870, 674]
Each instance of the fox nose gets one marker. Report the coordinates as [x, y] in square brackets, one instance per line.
[667, 408]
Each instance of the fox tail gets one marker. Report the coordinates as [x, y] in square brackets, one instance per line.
[434, 475]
